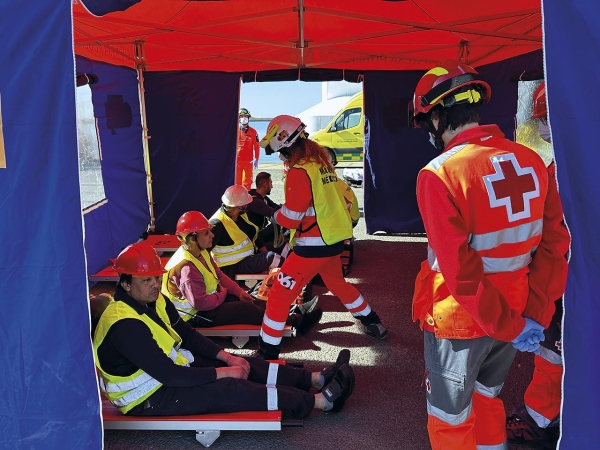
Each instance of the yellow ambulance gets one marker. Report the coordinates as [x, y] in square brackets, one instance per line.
[343, 136]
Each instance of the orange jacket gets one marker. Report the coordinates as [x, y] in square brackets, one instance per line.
[497, 240]
[248, 147]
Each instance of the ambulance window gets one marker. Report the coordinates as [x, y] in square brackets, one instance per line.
[349, 119]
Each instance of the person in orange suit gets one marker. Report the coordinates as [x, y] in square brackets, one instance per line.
[536, 421]
[495, 263]
[248, 151]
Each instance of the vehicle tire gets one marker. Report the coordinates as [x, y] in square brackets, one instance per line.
[332, 156]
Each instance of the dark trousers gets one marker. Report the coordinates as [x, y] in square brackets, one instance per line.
[232, 394]
[233, 311]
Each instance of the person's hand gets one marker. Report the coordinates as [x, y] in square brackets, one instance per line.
[245, 297]
[236, 361]
[255, 163]
[220, 288]
[232, 372]
[529, 339]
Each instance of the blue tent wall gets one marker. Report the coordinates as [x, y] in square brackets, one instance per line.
[396, 152]
[124, 217]
[49, 393]
[572, 69]
[192, 119]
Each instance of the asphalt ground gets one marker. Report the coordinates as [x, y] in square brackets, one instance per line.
[387, 409]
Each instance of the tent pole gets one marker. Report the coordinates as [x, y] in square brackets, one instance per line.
[301, 43]
[140, 65]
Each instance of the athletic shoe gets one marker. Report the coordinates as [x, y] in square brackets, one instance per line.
[376, 329]
[340, 388]
[524, 430]
[309, 306]
[329, 372]
[309, 320]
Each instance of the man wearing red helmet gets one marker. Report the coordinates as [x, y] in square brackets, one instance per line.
[152, 363]
[536, 421]
[204, 295]
[248, 151]
[495, 259]
[316, 212]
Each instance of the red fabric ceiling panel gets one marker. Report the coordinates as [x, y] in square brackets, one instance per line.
[244, 36]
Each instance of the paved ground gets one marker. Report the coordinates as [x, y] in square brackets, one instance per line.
[387, 409]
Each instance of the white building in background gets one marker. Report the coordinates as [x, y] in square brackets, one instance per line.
[334, 96]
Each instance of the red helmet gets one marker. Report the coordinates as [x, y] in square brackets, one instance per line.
[539, 102]
[190, 222]
[140, 260]
[437, 85]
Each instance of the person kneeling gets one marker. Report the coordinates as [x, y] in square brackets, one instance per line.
[204, 295]
[151, 362]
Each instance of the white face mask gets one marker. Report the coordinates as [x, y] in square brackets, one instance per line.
[544, 131]
[432, 140]
[243, 121]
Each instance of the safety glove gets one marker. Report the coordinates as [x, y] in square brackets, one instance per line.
[529, 339]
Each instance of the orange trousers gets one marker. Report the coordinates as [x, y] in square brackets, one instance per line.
[543, 394]
[243, 173]
[296, 273]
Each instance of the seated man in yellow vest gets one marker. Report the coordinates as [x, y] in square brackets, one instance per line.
[152, 363]
[237, 246]
[204, 295]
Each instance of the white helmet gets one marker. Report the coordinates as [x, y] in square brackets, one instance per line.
[236, 195]
[282, 132]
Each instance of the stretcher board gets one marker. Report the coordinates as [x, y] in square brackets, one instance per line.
[208, 427]
[240, 334]
[109, 274]
[163, 242]
[251, 279]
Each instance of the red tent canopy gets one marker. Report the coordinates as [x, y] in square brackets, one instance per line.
[262, 35]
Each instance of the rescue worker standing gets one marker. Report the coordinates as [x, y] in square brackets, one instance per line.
[236, 239]
[315, 212]
[495, 259]
[248, 151]
[536, 421]
[203, 295]
[153, 363]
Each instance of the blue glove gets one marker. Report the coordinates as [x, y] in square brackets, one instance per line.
[255, 163]
[529, 339]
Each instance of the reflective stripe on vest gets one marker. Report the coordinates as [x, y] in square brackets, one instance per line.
[329, 208]
[226, 255]
[490, 265]
[185, 309]
[125, 392]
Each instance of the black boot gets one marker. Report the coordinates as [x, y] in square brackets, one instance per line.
[266, 351]
[372, 325]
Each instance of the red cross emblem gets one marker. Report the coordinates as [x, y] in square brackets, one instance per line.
[512, 186]
[558, 345]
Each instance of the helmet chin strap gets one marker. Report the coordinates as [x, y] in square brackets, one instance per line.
[437, 134]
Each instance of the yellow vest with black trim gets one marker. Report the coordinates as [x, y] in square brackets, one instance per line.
[226, 255]
[125, 392]
[332, 216]
[211, 280]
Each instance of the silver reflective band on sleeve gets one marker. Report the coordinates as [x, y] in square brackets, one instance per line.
[272, 375]
[486, 391]
[452, 419]
[356, 303]
[502, 446]
[272, 398]
[187, 355]
[276, 261]
[513, 235]
[270, 339]
[311, 211]
[309, 241]
[550, 356]
[293, 215]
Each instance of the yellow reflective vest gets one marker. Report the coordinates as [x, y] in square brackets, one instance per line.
[211, 281]
[129, 391]
[227, 255]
